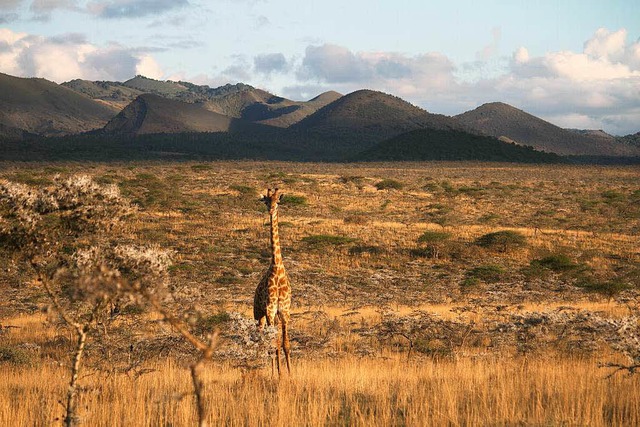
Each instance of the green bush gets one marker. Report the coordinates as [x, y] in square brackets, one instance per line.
[608, 288]
[434, 237]
[207, 324]
[502, 240]
[612, 196]
[434, 242]
[555, 262]
[389, 184]
[244, 190]
[293, 200]
[487, 273]
[469, 282]
[15, 356]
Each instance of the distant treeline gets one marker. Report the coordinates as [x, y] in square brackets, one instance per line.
[419, 145]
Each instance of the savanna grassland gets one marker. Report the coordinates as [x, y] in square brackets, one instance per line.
[423, 294]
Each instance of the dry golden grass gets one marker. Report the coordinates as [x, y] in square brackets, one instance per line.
[350, 391]
[209, 215]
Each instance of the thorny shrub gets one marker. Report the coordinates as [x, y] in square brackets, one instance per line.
[248, 346]
[424, 332]
[63, 234]
[575, 332]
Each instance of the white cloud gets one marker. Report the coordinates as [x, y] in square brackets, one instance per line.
[108, 9]
[148, 67]
[132, 8]
[607, 45]
[69, 57]
[521, 55]
[270, 63]
[333, 64]
[391, 71]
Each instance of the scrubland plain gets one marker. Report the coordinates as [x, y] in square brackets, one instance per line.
[423, 294]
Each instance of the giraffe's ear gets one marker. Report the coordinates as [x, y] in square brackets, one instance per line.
[280, 197]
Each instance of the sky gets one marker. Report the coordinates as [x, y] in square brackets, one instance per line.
[574, 63]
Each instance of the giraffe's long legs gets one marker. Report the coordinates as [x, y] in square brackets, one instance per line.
[278, 355]
[285, 345]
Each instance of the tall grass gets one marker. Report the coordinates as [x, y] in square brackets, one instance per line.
[350, 391]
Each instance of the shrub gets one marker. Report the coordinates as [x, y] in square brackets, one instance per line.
[608, 289]
[15, 356]
[389, 184]
[244, 190]
[502, 240]
[487, 273]
[469, 282]
[612, 196]
[434, 240]
[434, 237]
[293, 200]
[208, 323]
[555, 262]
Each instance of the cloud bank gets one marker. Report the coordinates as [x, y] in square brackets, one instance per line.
[108, 9]
[71, 56]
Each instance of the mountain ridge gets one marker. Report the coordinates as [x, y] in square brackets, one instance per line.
[39, 106]
[330, 125]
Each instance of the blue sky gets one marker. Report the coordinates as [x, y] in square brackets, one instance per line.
[575, 63]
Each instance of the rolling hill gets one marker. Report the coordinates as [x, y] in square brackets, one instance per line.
[42, 107]
[150, 114]
[365, 117]
[509, 123]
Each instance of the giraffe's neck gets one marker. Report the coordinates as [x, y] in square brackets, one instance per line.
[276, 254]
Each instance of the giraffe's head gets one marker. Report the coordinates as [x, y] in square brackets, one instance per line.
[272, 199]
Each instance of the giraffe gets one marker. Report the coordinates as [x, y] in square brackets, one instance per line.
[272, 300]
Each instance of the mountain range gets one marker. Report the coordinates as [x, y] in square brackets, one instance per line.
[240, 121]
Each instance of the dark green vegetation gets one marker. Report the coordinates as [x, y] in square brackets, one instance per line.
[267, 144]
[432, 144]
[502, 241]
